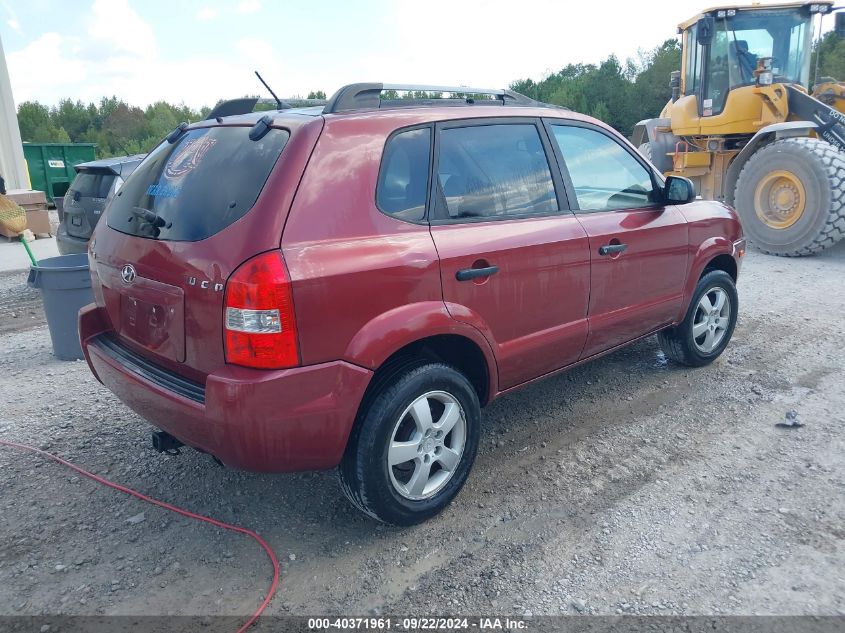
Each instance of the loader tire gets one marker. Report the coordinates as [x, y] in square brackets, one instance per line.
[790, 196]
[645, 150]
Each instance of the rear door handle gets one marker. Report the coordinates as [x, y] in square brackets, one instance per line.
[472, 273]
[612, 249]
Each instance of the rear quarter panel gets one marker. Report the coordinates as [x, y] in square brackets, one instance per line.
[364, 284]
[349, 263]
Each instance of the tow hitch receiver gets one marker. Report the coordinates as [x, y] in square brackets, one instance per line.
[166, 443]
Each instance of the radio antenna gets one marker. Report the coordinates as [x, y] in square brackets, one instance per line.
[270, 90]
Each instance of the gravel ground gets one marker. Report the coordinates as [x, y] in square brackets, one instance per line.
[628, 485]
[20, 307]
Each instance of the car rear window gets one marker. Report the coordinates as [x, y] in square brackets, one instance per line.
[403, 181]
[199, 185]
[92, 184]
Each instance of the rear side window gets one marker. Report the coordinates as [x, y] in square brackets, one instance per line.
[199, 185]
[495, 170]
[90, 184]
[403, 180]
[604, 174]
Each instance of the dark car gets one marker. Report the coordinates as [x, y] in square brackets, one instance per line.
[86, 198]
[347, 286]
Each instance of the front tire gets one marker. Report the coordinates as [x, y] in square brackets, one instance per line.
[413, 444]
[708, 325]
[790, 196]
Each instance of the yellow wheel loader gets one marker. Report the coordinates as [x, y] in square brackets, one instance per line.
[745, 125]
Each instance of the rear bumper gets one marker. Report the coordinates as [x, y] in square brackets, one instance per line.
[271, 421]
[68, 244]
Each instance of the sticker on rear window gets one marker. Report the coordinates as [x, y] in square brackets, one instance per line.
[163, 191]
[188, 157]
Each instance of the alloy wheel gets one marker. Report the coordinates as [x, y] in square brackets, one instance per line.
[426, 445]
[712, 318]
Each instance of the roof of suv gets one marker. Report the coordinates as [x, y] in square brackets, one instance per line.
[364, 100]
[355, 99]
[409, 115]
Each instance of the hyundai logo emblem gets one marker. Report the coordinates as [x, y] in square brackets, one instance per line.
[128, 274]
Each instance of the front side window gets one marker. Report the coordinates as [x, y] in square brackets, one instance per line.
[604, 174]
[489, 171]
[403, 181]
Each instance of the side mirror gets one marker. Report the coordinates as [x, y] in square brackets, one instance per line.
[706, 26]
[678, 190]
[675, 84]
[840, 25]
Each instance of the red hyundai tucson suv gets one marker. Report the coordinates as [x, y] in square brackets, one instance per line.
[346, 286]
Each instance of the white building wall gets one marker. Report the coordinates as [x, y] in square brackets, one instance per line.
[12, 166]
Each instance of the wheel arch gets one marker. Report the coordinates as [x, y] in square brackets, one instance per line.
[723, 262]
[764, 136]
[715, 253]
[455, 350]
[425, 330]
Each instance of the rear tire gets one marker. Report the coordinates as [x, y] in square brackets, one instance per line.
[708, 325]
[818, 170]
[439, 445]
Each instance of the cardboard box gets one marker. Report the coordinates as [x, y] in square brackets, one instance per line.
[28, 199]
[35, 205]
[38, 221]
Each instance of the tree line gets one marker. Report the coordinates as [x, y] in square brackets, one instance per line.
[615, 92]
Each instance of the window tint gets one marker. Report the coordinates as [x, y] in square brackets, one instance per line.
[200, 184]
[403, 181]
[605, 175]
[91, 184]
[494, 170]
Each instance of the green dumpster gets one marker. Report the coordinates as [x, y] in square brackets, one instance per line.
[51, 165]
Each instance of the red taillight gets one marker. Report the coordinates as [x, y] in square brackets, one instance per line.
[258, 319]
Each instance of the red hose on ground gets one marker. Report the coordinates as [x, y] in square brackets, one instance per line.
[191, 515]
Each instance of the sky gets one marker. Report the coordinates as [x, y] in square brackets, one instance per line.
[199, 51]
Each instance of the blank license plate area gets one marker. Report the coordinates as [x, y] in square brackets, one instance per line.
[147, 312]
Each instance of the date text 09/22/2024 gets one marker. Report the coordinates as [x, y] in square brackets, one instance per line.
[416, 624]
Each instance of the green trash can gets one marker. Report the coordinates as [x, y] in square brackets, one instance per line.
[65, 286]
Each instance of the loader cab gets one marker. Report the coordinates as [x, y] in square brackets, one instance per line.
[721, 51]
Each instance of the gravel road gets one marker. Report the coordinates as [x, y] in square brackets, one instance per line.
[629, 485]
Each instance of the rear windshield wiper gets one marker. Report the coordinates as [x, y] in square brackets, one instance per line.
[152, 218]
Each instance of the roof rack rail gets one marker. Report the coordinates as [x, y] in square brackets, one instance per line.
[365, 96]
[246, 105]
